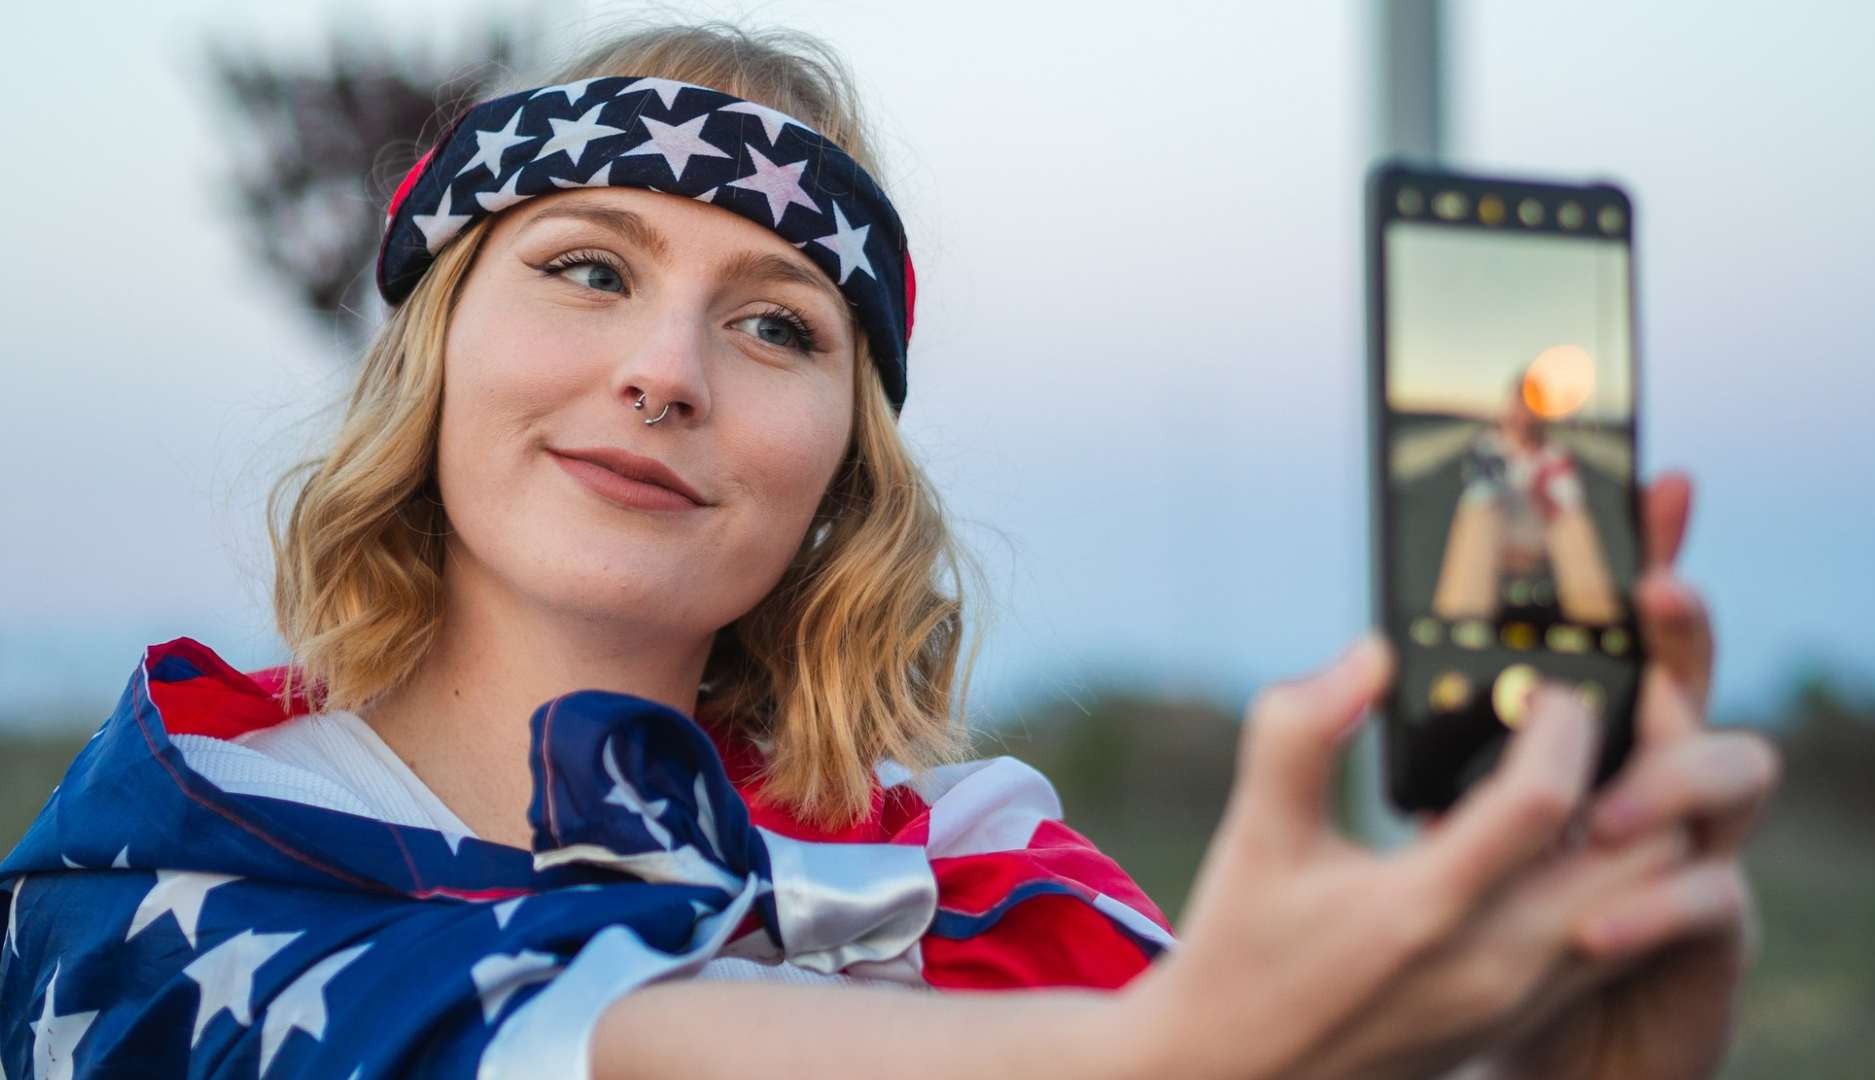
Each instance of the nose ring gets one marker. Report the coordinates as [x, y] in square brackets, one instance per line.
[640, 403]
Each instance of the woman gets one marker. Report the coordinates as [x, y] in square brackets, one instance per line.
[672, 262]
[1522, 541]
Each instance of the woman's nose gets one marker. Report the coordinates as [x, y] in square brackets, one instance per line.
[664, 375]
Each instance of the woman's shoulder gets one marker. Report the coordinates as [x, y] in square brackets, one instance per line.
[1020, 891]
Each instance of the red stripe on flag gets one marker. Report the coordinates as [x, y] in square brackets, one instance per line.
[1072, 855]
[1050, 940]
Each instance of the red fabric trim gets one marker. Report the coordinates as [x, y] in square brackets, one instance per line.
[506, 892]
[409, 181]
[911, 295]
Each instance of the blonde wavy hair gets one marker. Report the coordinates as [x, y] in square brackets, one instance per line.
[850, 659]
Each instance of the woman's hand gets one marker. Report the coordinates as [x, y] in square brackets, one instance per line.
[1302, 953]
[1682, 942]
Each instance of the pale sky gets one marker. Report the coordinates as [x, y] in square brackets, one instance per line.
[1468, 309]
[1137, 374]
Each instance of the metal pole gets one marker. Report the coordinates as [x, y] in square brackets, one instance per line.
[1407, 102]
[1409, 86]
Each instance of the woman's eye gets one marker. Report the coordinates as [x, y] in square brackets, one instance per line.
[588, 270]
[772, 330]
[594, 275]
[781, 330]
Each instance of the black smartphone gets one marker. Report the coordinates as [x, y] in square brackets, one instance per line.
[1505, 506]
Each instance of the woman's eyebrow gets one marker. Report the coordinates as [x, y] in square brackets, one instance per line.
[748, 266]
[631, 226]
[751, 267]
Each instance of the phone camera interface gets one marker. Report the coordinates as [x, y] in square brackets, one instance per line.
[1509, 424]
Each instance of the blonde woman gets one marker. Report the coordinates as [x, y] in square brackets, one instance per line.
[1522, 542]
[620, 735]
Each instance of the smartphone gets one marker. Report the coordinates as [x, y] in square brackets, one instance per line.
[1503, 421]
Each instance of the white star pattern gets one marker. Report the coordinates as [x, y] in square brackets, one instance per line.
[624, 794]
[573, 136]
[667, 89]
[573, 90]
[13, 915]
[122, 862]
[505, 911]
[439, 227]
[490, 145]
[69, 864]
[498, 975]
[179, 893]
[772, 120]
[781, 183]
[493, 201]
[302, 1005]
[55, 1036]
[677, 143]
[708, 196]
[706, 817]
[226, 975]
[602, 178]
[849, 244]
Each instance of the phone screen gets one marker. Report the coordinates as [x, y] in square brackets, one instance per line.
[1510, 538]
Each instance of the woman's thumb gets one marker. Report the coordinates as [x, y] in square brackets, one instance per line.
[1297, 729]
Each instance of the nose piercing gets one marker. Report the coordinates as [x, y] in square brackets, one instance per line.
[640, 403]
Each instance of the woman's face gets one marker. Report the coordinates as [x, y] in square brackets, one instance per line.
[576, 304]
[1519, 422]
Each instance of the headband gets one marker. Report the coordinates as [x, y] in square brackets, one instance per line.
[673, 137]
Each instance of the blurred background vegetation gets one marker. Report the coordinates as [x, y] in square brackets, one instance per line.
[1144, 778]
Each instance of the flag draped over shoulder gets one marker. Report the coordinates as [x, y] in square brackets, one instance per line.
[158, 924]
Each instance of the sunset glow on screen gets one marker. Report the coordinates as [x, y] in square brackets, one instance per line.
[1559, 381]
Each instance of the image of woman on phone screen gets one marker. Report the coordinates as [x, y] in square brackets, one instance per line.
[1522, 542]
[621, 735]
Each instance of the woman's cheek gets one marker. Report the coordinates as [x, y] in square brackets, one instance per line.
[787, 488]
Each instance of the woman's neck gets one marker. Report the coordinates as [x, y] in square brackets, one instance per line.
[1523, 440]
[461, 721]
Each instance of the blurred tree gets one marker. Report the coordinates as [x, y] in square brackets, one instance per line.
[1828, 742]
[322, 144]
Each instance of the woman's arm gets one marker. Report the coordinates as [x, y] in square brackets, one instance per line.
[1584, 586]
[706, 1029]
[1303, 955]
[1468, 574]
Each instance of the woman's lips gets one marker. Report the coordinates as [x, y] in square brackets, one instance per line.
[616, 489]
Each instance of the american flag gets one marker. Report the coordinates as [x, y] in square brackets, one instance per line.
[160, 925]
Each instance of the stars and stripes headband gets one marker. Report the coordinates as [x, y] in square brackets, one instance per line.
[672, 137]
